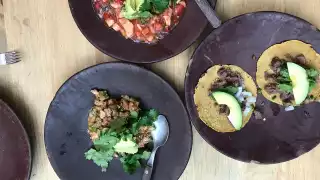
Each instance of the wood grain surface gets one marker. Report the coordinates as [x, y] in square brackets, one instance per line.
[54, 49]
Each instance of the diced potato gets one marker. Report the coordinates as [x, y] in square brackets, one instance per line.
[145, 31]
[116, 27]
[150, 38]
[115, 5]
[110, 22]
[167, 16]
[127, 26]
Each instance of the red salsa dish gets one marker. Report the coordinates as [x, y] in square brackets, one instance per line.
[145, 21]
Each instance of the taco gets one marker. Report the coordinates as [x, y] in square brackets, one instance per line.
[225, 98]
[288, 73]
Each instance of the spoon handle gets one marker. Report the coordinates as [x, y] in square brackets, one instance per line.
[209, 13]
[147, 173]
[148, 170]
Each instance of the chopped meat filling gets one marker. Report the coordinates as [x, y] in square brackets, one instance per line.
[300, 59]
[106, 110]
[276, 65]
[224, 110]
[271, 88]
[270, 76]
[227, 77]
[286, 97]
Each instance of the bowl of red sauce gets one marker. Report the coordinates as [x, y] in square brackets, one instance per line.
[139, 31]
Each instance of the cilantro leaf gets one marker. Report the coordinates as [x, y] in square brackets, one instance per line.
[312, 84]
[105, 142]
[282, 79]
[101, 158]
[285, 87]
[145, 6]
[153, 114]
[131, 162]
[160, 5]
[147, 118]
[284, 72]
[134, 114]
[229, 89]
[312, 78]
[145, 155]
[312, 73]
[137, 15]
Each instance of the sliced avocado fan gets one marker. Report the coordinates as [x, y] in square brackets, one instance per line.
[298, 76]
[235, 116]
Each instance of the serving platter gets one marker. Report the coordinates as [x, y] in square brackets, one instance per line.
[113, 44]
[66, 127]
[282, 135]
[15, 149]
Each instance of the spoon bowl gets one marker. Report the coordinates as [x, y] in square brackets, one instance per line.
[161, 133]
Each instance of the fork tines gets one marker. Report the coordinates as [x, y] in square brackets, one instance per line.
[12, 57]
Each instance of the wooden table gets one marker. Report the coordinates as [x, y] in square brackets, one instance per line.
[54, 49]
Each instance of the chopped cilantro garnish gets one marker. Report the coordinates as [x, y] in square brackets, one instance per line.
[122, 129]
[101, 158]
[285, 87]
[131, 162]
[229, 89]
[312, 73]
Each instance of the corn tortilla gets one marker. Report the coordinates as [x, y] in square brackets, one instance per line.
[293, 48]
[207, 109]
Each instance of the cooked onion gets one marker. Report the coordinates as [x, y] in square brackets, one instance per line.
[251, 99]
[241, 99]
[246, 94]
[246, 110]
[289, 108]
[239, 92]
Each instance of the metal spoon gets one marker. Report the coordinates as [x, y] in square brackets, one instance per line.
[160, 136]
[209, 13]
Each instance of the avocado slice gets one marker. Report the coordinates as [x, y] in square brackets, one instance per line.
[298, 76]
[136, 8]
[235, 116]
[128, 146]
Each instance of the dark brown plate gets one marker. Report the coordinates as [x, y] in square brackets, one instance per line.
[66, 136]
[240, 41]
[15, 151]
[114, 44]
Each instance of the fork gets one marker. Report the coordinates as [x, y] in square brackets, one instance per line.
[9, 57]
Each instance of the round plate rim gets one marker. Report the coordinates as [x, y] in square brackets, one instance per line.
[126, 60]
[140, 68]
[25, 134]
[186, 81]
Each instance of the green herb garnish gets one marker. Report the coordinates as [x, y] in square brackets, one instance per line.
[313, 74]
[124, 129]
[284, 81]
[259, 90]
[144, 9]
[228, 89]
[285, 87]
[131, 162]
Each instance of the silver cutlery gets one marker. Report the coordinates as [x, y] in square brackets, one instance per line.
[9, 58]
[209, 13]
[160, 136]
